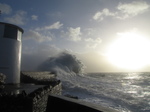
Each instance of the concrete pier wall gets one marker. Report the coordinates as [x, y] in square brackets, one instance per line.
[60, 103]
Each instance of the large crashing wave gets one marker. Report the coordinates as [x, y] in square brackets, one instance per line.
[63, 63]
[69, 69]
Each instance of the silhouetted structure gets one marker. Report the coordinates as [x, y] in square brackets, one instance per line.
[10, 50]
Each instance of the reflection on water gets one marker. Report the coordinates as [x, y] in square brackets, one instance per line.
[126, 92]
[134, 76]
[135, 84]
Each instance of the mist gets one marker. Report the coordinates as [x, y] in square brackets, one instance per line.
[47, 57]
[32, 58]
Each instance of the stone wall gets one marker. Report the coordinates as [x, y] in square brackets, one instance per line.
[40, 96]
[44, 78]
[35, 101]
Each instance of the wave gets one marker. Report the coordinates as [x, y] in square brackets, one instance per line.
[62, 64]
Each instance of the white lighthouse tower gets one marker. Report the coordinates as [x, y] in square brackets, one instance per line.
[10, 51]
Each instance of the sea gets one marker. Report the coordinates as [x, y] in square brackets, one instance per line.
[124, 92]
[121, 91]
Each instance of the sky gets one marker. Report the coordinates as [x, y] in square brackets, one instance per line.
[107, 35]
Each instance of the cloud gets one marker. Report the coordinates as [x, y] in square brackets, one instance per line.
[42, 34]
[101, 14]
[91, 38]
[73, 34]
[31, 34]
[57, 25]
[93, 43]
[5, 9]
[132, 9]
[123, 11]
[19, 18]
[34, 17]
[97, 40]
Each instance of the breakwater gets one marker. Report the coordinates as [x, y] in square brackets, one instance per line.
[27, 97]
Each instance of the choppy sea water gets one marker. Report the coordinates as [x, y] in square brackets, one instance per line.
[126, 92]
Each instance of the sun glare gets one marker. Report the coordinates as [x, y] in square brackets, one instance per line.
[129, 51]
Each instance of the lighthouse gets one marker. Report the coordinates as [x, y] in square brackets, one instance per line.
[10, 51]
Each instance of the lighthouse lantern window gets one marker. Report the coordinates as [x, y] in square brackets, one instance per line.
[10, 32]
[19, 35]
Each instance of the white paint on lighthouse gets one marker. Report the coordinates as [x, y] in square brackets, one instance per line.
[10, 51]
